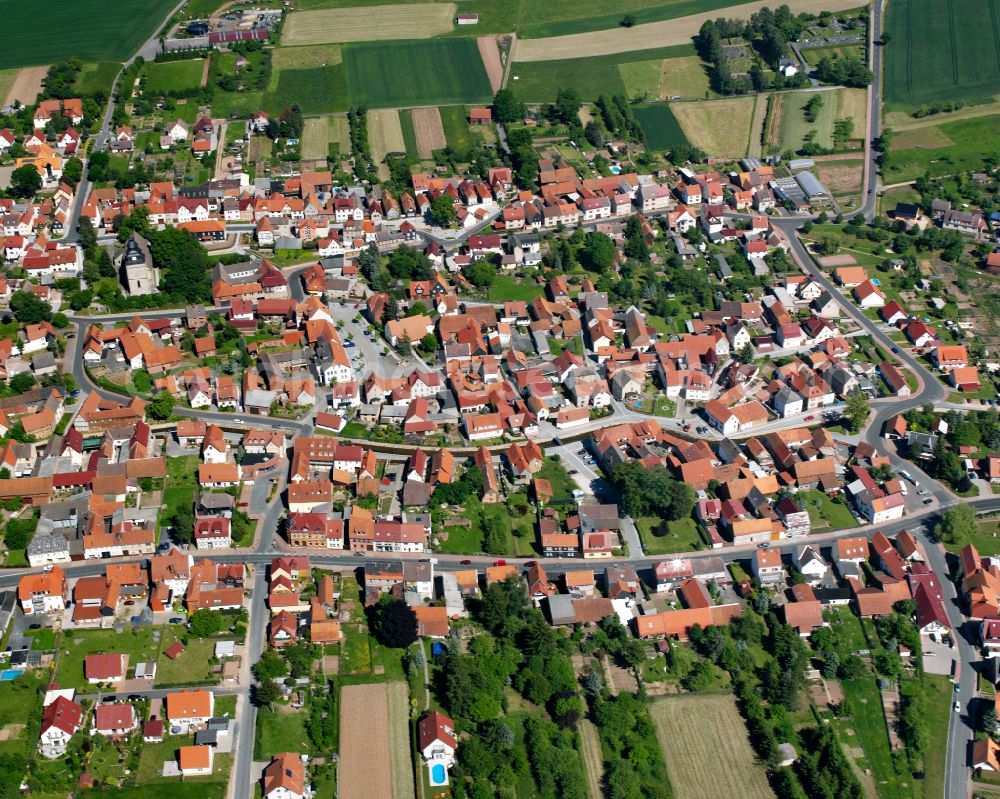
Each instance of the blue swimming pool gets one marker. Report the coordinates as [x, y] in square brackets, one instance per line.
[10, 674]
[439, 774]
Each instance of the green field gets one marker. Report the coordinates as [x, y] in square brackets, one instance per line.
[95, 78]
[621, 73]
[429, 72]
[409, 134]
[813, 55]
[176, 76]
[943, 149]
[93, 30]
[941, 50]
[317, 91]
[455, 121]
[659, 126]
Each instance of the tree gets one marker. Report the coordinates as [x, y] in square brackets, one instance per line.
[598, 252]
[29, 309]
[567, 106]
[73, 170]
[628, 21]
[442, 211]
[205, 623]
[405, 346]
[266, 694]
[25, 181]
[506, 107]
[856, 411]
[957, 524]
[480, 273]
[395, 624]
[494, 535]
[988, 722]
[269, 666]
[21, 382]
[182, 523]
[161, 407]
[652, 492]
[594, 133]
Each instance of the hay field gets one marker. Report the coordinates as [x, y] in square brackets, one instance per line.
[722, 128]
[340, 133]
[837, 104]
[684, 77]
[653, 34]
[315, 138]
[368, 23]
[706, 748]
[26, 85]
[841, 176]
[385, 134]
[399, 740]
[365, 766]
[429, 131]
[315, 55]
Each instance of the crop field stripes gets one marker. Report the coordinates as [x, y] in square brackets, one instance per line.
[996, 31]
[954, 42]
[909, 49]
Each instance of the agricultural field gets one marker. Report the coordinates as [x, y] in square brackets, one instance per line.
[457, 130]
[633, 73]
[8, 77]
[428, 131]
[385, 134]
[374, 742]
[789, 126]
[162, 77]
[317, 90]
[22, 84]
[315, 138]
[397, 74]
[613, 38]
[942, 149]
[941, 51]
[659, 126]
[696, 730]
[841, 176]
[95, 31]
[368, 23]
[685, 78]
[728, 128]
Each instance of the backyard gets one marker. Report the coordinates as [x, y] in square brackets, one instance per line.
[681, 535]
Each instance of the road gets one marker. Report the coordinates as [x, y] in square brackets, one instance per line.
[869, 186]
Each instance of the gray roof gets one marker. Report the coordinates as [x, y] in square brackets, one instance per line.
[811, 186]
[561, 609]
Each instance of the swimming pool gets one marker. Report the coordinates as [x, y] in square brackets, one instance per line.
[10, 674]
[439, 774]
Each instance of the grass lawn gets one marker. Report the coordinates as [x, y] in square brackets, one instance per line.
[96, 77]
[356, 655]
[427, 72]
[21, 703]
[938, 696]
[44, 639]
[562, 483]
[506, 288]
[138, 644]
[813, 55]
[682, 536]
[950, 147]
[824, 512]
[191, 666]
[838, 104]
[173, 75]
[986, 538]
[7, 80]
[280, 730]
[861, 696]
[317, 90]
[725, 128]
[94, 31]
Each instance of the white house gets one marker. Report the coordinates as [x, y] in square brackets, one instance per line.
[436, 739]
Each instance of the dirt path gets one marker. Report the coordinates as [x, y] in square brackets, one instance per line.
[204, 72]
[652, 35]
[491, 60]
[27, 86]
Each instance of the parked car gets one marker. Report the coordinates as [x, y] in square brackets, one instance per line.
[176, 620]
[466, 562]
[957, 706]
[109, 698]
[809, 418]
[499, 563]
[928, 501]
[35, 626]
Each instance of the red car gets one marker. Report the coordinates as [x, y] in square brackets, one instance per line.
[530, 563]
[499, 563]
[809, 418]
[466, 562]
